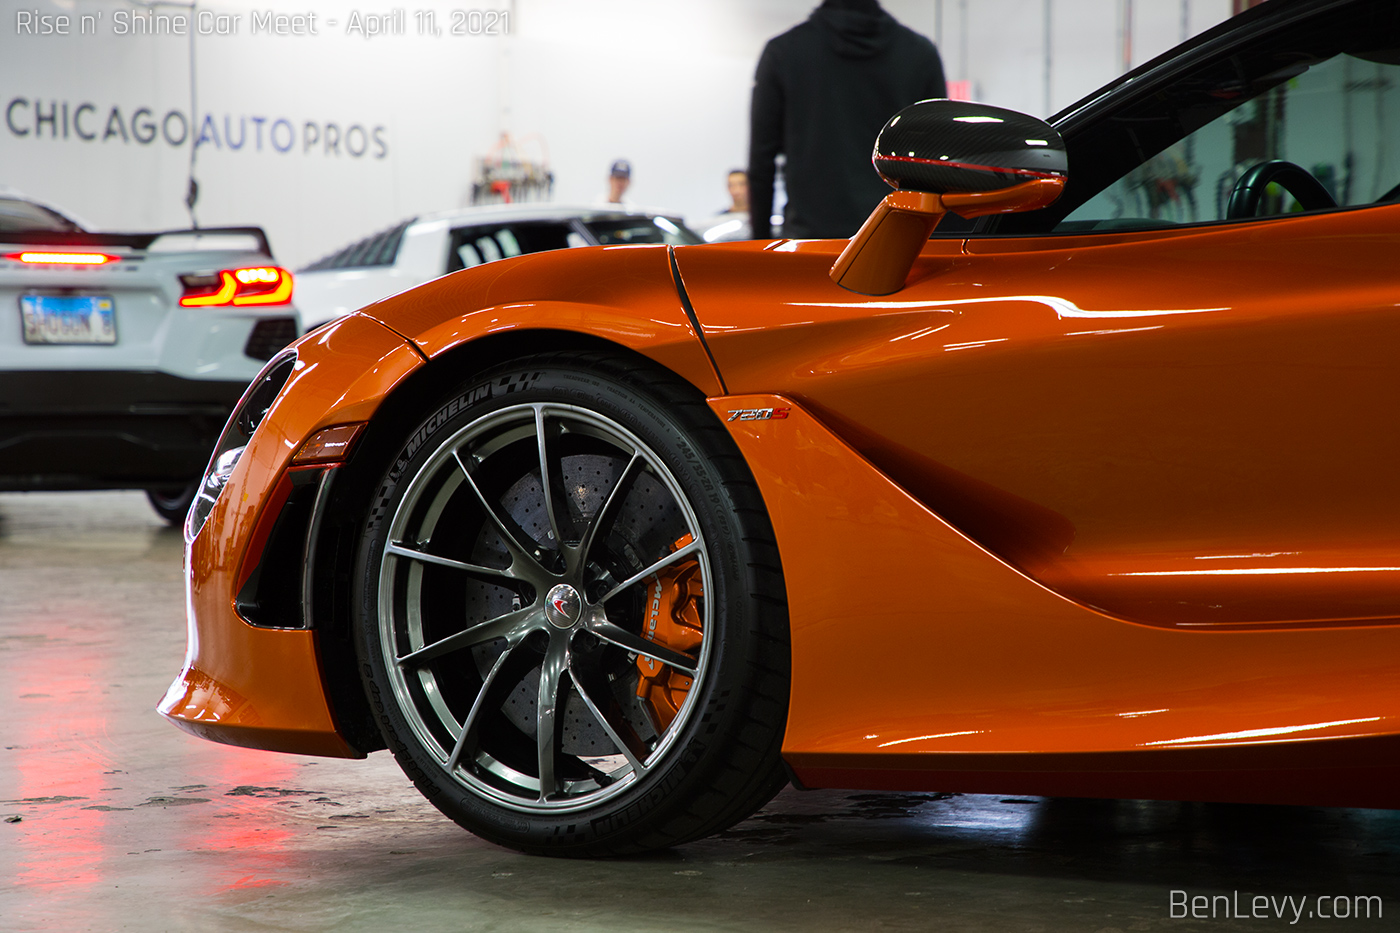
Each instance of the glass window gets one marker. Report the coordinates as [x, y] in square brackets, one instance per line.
[16, 215]
[468, 255]
[488, 242]
[488, 249]
[1338, 119]
[622, 230]
[1179, 144]
[510, 246]
[380, 249]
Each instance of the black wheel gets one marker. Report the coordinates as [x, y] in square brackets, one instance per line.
[172, 502]
[592, 663]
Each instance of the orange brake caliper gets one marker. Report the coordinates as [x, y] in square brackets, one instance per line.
[673, 621]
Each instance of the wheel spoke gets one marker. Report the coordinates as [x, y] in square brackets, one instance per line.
[579, 557]
[662, 564]
[511, 625]
[398, 550]
[518, 551]
[593, 689]
[547, 478]
[638, 645]
[468, 732]
[546, 710]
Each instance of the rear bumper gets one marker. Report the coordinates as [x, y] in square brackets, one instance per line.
[100, 429]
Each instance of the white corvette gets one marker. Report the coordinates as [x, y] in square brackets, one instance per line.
[426, 247]
[121, 355]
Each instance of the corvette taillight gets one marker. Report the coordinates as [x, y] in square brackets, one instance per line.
[34, 257]
[251, 410]
[253, 285]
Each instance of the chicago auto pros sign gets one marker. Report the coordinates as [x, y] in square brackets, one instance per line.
[88, 122]
[42, 117]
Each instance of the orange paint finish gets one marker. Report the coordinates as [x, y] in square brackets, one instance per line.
[878, 258]
[1053, 518]
[921, 660]
[293, 717]
[258, 687]
[624, 294]
[1206, 449]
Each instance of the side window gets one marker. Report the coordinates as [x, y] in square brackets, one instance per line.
[380, 249]
[510, 246]
[467, 256]
[1337, 120]
[472, 246]
[614, 231]
[17, 214]
[488, 249]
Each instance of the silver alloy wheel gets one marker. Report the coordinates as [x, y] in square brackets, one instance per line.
[509, 606]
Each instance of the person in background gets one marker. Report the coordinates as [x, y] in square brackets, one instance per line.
[619, 179]
[732, 223]
[738, 191]
[821, 93]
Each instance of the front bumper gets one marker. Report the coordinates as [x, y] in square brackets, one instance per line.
[255, 686]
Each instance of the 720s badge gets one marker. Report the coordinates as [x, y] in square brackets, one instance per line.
[758, 414]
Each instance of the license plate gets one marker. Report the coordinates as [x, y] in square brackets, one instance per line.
[70, 319]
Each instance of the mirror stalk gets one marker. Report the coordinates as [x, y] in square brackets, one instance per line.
[878, 258]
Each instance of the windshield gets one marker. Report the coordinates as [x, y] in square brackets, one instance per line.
[17, 215]
[624, 230]
[1322, 94]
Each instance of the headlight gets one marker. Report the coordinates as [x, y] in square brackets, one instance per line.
[251, 410]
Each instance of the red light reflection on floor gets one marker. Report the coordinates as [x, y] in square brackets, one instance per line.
[71, 738]
[59, 753]
[252, 881]
[248, 828]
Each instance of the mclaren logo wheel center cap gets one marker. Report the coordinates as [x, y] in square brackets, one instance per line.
[562, 606]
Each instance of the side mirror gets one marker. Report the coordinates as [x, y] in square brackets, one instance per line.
[948, 155]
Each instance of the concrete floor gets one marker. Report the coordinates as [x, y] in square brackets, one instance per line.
[127, 824]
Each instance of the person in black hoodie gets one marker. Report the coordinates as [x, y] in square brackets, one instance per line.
[821, 93]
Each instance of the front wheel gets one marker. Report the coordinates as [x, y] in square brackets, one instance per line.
[572, 622]
[172, 502]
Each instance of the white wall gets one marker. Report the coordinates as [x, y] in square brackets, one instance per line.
[665, 85]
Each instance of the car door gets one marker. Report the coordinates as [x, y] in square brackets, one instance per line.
[1152, 403]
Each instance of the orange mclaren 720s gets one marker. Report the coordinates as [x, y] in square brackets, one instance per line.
[1072, 473]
